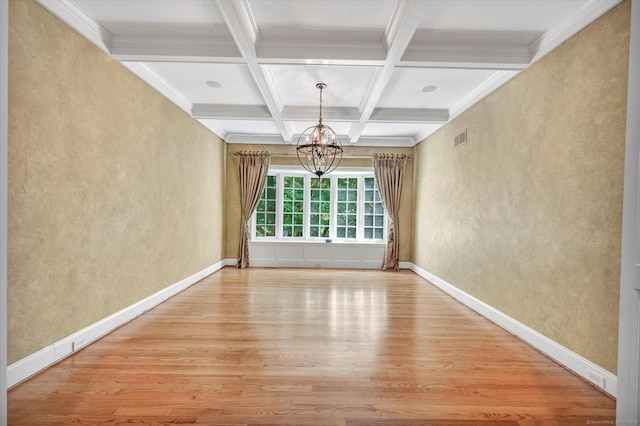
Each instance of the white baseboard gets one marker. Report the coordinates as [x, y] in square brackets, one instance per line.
[554, 350]
[38, 361]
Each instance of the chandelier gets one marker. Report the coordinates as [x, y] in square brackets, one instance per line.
[319, 148]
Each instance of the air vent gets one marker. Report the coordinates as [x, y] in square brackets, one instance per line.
[460, 138]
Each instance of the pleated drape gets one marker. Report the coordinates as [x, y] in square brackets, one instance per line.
[389, 172]
[253, 168]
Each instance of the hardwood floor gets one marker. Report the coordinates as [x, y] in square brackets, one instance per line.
[309, 347]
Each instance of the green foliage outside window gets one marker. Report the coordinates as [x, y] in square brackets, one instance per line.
[347, 208]
[331, 212]
[320, 208]
[266, 210]
[293, 207]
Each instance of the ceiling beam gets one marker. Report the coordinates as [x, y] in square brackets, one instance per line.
[231, 112]
[409, 115]
[239, 19]
[402, 25]
[307, 113]
[174, 48]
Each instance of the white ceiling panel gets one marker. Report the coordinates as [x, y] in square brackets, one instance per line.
[346, 86]
[191, 12]
[500, 15]
[322, 14]
[237, 86]
[378, 58]
[442, 87]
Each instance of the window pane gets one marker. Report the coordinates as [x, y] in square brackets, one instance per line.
[292, 205]
[320, 207]
[340, 232]
[266, 205]
[368, 183]
[347, 207]
[368, 233]
[373, 211]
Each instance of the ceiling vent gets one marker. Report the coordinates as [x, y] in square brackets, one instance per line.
[460, 138]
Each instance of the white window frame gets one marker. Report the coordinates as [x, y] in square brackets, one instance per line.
[281, 172]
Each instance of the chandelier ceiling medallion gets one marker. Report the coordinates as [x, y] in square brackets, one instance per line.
[319, 148]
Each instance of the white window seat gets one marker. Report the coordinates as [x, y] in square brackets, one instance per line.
[316, 254]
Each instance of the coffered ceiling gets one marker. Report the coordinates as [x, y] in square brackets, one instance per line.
[396, 70]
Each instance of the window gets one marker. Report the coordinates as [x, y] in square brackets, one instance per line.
[293, 207]
[320, 208]
[373, 210]
[266, 210]
[296, 206]
[347, 218]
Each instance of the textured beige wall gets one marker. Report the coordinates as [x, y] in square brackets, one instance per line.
[114, 192]
[526, 215]
[289, 158]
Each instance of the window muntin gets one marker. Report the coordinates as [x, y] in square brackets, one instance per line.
[373, 211]
[310, 208]
[266, 210]
[293, 206]
[347, 208]
[320, 208]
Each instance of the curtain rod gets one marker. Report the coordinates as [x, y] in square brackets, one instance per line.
[370, 157]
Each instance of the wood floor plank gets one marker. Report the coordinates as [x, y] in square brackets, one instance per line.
[308, 347]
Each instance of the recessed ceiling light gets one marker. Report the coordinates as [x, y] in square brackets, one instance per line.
[427, 89]
[214, 84]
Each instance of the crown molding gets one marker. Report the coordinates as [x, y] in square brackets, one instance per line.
[568, 27]
[496, 80]
[154, 80]
[69, 12]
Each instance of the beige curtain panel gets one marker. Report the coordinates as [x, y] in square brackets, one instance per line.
[389, 171]
[253, 167]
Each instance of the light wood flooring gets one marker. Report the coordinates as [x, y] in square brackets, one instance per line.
[309, 347]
